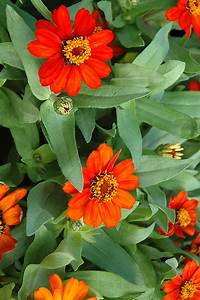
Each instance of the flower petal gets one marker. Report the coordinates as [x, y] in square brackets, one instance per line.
[68, 188]
[100, 38]
[124, 199]
[173, 284]
[80, 199]
[73, 84]
[40, 50]
[7, 243]
[61, 17]
[176, 202]
[173, 13]
[75, 213]
[3, 190]
[189, 269]
[55, 282]
[131, 183]
[102, 52]
[105, 155]
[110, 214]
[89, 76]
[43, 294]
[58, 85]
[48, 38]
[84, 23]
[101, 68]
[75, 289]
[91, 214]
[12, 199]
[123, 170]
[13, 215]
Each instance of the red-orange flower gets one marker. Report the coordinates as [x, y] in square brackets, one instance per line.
[194, 85]
[195, 245]
[10, 215]
[72, 290]
[186, 215]
[185, 286]
[105, 189]
[187, 13]
[73, 54]
[101, 24]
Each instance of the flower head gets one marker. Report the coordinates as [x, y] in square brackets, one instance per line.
[195, 245]
[74, 54]
[10, 215]
[194, 85]
[185, 286]
[102, 24]
[105, 189]
[72, 290]
[171, 150]
[186, 215]
[187, 13]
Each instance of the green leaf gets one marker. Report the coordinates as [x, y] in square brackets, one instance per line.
[129, 36]
[63, 143]
[154, 54]
[166, 118]
[109, 256]
[45, 202]
[106, 7]
[129, 130]
[20, 35]
[130, 234]
[183, 182]
[6, 291]
[85, 119]
[154, 169]
[42, 9]
[12, 174]
[100, 283]
[68, 251]
[9, 56]
[187, 102]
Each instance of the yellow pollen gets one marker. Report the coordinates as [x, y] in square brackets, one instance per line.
[2, 225]
[172, 150]
[188, 290]
[194, 7]
[183, 218]
[77, 51]
[104, 187]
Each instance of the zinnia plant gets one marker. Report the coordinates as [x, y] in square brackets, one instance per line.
[100, 150]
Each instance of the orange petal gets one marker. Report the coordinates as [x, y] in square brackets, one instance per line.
[173, 284]
[84, 23]
[110, 214]
[102, 52]
[194, 85]
[75, 214]
[100, 38]
[172, 296]
[40, 50]
[91, 214]
[101, 68]
[93, 163]
[43, 294]
[130, 183]
[55, 282]
[124, 169]
[68, 188]
[7, 243]
[75, 289]
[177, 202]
[105, 154]
[173, 13]
[190, 230]
[57, 295]
[90, 76]
[124, 199]
[80, 199]
[189, 269]
[61, 17]
[3, 190]
[13, 215]
[12, 199]
[190, 204]
[59, 83]
[74, 81]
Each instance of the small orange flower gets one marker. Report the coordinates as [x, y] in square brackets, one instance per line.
[186, 215]
[105, 189]
[10, 215]
[74, 53]
[195, 245]
[185, 286]
[72, 290]
[187, 13]
[194, 85]
[102, 24]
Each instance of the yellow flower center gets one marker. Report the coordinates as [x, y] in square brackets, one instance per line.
[188, 290]
[104, 187]
[76, 51]
[2, 225]
[194, 7]
[183, 218]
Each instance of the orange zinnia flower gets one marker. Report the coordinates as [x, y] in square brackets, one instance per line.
[187, 13]
[102, 24]
[185, 286]
[10, 215]
[186, 215]
[72, 55]
[105, 189]
[195, 245]
[72, 290]
[194, 85]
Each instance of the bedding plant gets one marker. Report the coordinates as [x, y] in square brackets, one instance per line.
[100, 150]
